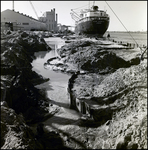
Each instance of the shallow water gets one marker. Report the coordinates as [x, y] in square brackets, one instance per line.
[133, 37]
[56, 87]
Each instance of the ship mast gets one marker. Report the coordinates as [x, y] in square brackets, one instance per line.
[13, 5]
[93, 3]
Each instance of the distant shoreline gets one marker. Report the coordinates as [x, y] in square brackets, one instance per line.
[129, 31]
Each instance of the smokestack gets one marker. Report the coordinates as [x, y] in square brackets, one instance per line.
[56, 18]
[13, 5]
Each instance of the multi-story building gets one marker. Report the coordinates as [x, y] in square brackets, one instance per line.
[20, 21]
[51, 19]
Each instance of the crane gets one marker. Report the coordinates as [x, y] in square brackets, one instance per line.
[74, 15]
[34, 9]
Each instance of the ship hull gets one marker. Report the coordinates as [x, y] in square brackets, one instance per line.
[92, 27]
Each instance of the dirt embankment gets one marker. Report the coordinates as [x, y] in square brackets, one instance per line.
[90, 55]
[17, 78]
[118, 104]
[109, 88]
[21, 102]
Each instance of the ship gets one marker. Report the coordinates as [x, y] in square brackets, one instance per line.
[91, 21]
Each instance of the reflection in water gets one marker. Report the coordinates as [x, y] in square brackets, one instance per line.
[40, 54]
[45, 86]
[49, 54]
[57, 85]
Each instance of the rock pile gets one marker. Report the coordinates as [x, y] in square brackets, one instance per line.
[120, 106]
[91, 56]
[17, 77]
[15, 134]
[21, 102]
[109, 85]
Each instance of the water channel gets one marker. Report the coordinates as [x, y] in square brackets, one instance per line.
[56, 87]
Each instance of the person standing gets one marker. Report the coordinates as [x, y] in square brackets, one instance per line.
[108, 36]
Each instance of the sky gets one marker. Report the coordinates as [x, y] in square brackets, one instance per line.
[132, 14]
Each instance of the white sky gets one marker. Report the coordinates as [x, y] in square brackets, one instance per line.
[133, 14]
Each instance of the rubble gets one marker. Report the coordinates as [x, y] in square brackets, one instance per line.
[108, 87]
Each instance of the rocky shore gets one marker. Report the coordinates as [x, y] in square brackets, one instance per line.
[108, 86]
[21, 103]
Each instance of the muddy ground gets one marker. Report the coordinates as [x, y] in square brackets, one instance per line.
[112, 80]
[21, 102]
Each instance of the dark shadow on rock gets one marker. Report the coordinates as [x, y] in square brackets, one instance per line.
[17, 55]
[33, 115]
[74, 140]
[60, 104]
[104, 60]
[61, 120]
[82, 123]
[49, 140]
[46, 85]
[71, 140]
[135, 61]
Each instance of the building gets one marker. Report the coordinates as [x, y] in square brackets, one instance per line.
[13, 20]
[63, 28]
[51, 19]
